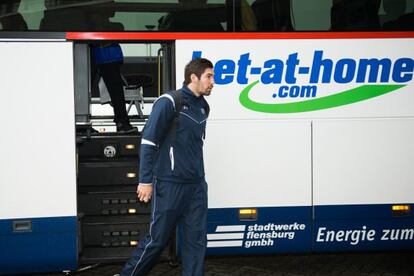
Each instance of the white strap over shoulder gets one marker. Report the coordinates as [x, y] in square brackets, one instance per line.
[147, 142]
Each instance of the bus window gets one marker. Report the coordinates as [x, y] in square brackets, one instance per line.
[325, 15]
[119, 15]
[269, 15]
[10, 18]
[193, 16]
[306, 16]
[397, 15]
[360, 15]
[207, 15]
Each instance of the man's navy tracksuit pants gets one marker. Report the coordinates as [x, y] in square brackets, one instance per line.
[182, 204]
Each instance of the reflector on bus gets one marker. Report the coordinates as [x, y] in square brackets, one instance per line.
[248, 214]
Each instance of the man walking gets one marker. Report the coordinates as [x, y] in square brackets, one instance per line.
[172, 173]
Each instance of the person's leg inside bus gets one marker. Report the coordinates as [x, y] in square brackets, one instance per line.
[111, 75]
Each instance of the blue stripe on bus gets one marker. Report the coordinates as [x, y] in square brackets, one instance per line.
[362, 228]
[50, 245]
[364, 235]
[266, 216]
[322, 228]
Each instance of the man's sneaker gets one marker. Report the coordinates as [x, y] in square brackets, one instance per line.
[125, 128]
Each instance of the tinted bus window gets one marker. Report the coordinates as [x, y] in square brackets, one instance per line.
[269, 15]
[325, 15]
[138, 15]
[397, 15]
[10, 18]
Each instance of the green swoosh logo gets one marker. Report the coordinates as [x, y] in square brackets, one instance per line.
[361, 93]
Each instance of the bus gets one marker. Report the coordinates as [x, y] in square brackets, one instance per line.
[309, 141]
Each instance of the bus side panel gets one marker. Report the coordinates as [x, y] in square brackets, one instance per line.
[276, 229]
[38, 178]
[371, 172]
[266, 165]
[264, 158]
[49, 245]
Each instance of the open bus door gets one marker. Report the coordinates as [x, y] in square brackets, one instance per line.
[111, 218]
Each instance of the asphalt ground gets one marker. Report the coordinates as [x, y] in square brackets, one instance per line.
[344, 264]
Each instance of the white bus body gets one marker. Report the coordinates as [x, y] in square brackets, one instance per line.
[296, 159]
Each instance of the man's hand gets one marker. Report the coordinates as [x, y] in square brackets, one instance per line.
[144, 192]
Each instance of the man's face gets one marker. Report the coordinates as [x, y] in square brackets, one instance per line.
[204, 85]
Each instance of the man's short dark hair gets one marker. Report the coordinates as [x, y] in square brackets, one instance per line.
[197, 66]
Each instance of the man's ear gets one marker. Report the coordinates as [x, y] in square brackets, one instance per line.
[194, 77]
